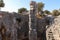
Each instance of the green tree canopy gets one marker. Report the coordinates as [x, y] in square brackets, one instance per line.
[40, 6]
[22, 10]
[55, 12]
[59, 11]
[47, 12]
[1, 3]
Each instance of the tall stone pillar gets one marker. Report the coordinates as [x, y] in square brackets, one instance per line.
[32, 21]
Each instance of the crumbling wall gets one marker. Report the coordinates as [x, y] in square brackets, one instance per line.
[53, 33]
[14, 26]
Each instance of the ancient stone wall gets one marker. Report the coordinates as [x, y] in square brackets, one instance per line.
[53, 32]
[14, 26]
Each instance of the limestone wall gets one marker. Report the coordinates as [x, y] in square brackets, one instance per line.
[53, 32]
[14, 26]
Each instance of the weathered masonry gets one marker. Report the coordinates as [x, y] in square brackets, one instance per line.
[28, 26]
[33, 21]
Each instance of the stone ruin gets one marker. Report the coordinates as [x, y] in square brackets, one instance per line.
[14, 26]
[53, 32]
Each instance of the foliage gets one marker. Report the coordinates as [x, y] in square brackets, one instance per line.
[22, 10]
[40, 6]
[55, 12]
[2, 3]
[47, 12]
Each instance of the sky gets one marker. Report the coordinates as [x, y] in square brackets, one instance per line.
[14, 5]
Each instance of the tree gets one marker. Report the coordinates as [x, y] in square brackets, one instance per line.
[59, 11]
[40, 6]
[1, 4]
[55, 12]
[47, 12]
[22, 10]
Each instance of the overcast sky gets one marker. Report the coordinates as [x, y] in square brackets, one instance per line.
[14, 5]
